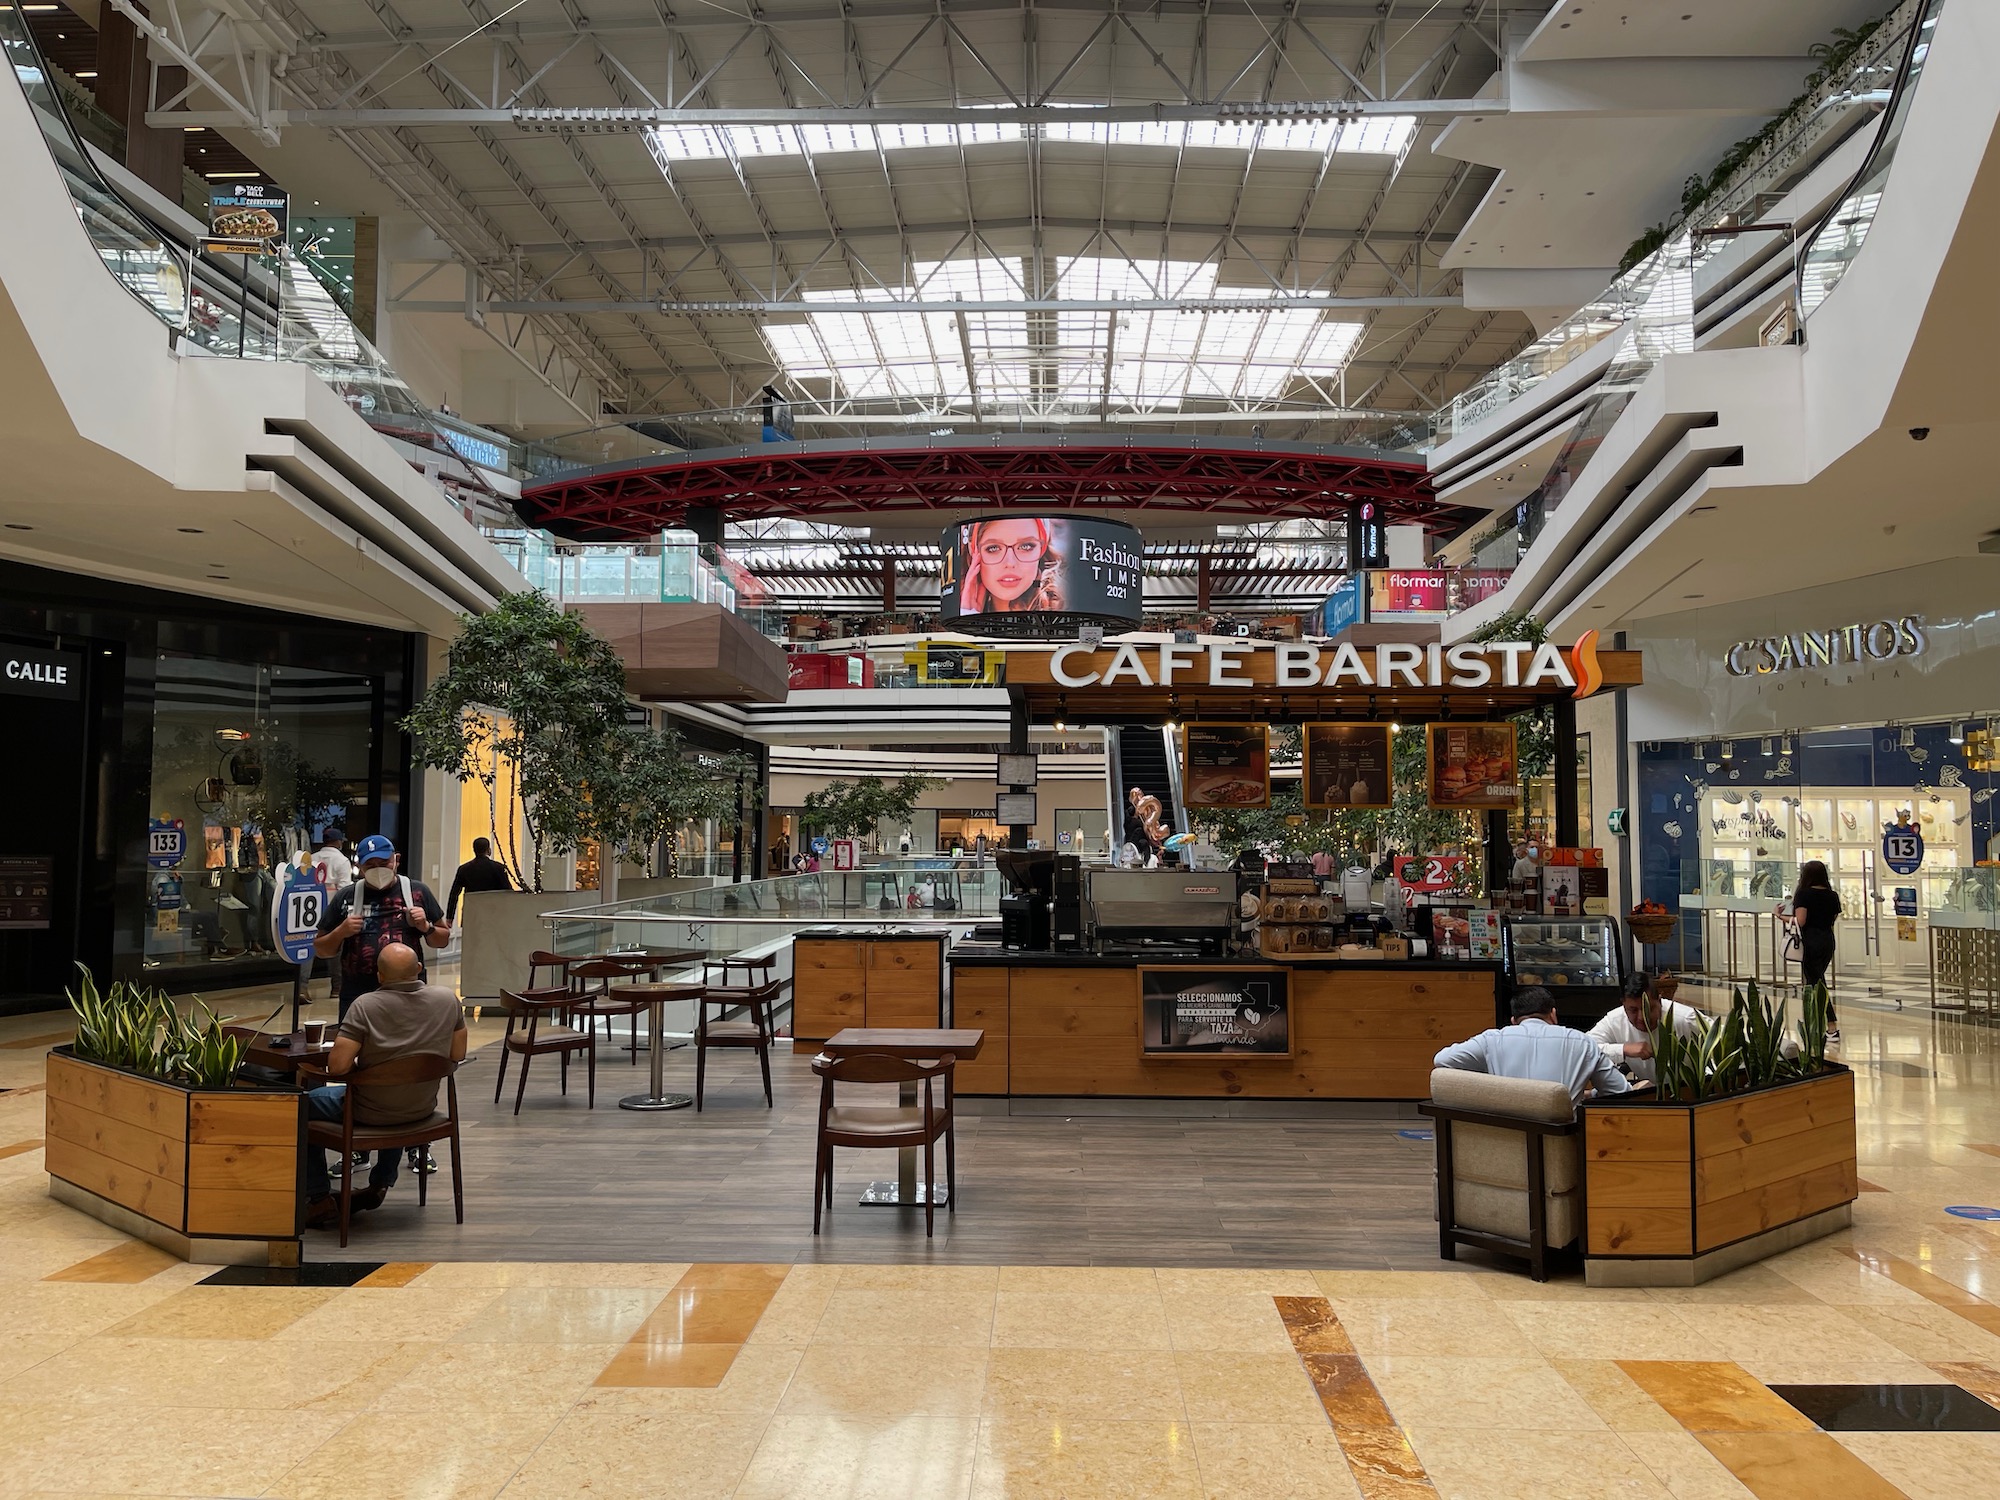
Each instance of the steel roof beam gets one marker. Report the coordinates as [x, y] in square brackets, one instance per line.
[697, 308]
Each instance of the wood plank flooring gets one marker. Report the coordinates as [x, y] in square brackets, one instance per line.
[734, 1183]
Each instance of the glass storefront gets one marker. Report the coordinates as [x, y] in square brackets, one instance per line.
[220, 738]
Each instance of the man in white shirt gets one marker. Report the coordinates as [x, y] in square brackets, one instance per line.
[1626, 1034]
[336, 869]
[1536, 1046]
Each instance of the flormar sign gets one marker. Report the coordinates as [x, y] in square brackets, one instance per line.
[1845, 646]
[1509, 664]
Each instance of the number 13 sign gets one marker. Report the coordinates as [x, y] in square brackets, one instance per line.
[295, 914]
[1903, 850]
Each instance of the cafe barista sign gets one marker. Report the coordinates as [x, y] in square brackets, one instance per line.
[1467, 667]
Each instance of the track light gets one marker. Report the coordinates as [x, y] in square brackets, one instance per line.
[1785, 745]
[1956, 734]
[1908, 737]
[1728, 749]
[1768, 745]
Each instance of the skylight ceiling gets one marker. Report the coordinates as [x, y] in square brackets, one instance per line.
[1077, 358]
[1380, 135]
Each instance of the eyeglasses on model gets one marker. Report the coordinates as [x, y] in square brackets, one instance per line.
[1028, 551]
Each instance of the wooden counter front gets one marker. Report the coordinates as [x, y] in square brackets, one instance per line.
[842, 979]
[1358, 1033]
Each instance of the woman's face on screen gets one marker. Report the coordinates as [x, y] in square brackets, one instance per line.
[1009, 554]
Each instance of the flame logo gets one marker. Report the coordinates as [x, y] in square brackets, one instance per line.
[1584, 665]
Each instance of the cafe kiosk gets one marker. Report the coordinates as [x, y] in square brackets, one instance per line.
[1156, 1011]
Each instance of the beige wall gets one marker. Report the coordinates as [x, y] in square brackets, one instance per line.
[790, 791]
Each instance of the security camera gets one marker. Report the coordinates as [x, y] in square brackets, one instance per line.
[1920, 433]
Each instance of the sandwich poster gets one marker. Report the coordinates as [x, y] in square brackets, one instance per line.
[1474, 766]
[1226, 765]
[1347, 765]
[246, 218]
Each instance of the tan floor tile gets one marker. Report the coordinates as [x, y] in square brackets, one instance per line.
[863, 1458]
[395, 1273]
[1745, 1333]
[212, 1452]
[1247, 1461]
[557, 1315]
[1228, 1387]
[1079, 1320]
[734, 1276]
[410, 1314]
[121, 1265]
[1836, 1277]
[1753, 1286]
[1417, 1327]
[859, 1381]
[1797, 1466]
[1805, 1368]
[919, 1278]
[629, 1455]
[1615, 1396]
[1222, 1282]
[229, 1312]
[512, 1273]
[215, 1373]
[1927, 1332]
[701, 1315]
[468, 1456]
[1714, 1396]
[31, 1257]
[1529, 1465]
[503, 1377]
[1347, 1393]
[1623, 1330]
[1243, 1321]
[24, 1353]
[644, 1362]
[1518, 1286]
[1423, 1285]
[1385, 1466]
[1123, 1281]
[1446, 1393]
[1044, 1460]
[756, 1381]
[1312, 1326]
[794, 1312]
[1930, 1465]
[1688, 1470]
[949, 1319]
[1068, 1385]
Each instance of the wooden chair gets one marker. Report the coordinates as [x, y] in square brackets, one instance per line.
[346, 1137]
[541, 959]
[756, 997]
[527, 1009]
[608, 1003]
[885, 1126]
[1509, 1166]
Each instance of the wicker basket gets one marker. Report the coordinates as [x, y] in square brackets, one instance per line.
[1652, 927]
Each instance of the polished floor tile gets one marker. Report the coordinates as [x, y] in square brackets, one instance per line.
[125, 1264]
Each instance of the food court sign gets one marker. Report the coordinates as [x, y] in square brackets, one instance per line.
[1466, 667]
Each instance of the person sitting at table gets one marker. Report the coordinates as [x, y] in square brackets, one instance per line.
[1536, 1045]
[1626, 1033]
[404, 1017]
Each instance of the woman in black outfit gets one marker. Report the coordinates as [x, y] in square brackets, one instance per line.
[1815, 908]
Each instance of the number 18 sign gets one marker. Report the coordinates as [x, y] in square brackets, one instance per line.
[295, 914]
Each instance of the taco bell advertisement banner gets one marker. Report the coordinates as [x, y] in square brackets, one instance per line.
[1029, 575]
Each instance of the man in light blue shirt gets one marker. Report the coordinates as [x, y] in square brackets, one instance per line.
[1535, 1046]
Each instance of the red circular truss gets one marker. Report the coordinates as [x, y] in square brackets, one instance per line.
[1194, 479]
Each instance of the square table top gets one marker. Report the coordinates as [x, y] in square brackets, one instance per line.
[918, 1043]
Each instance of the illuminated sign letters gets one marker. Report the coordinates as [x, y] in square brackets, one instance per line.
[1849, 645]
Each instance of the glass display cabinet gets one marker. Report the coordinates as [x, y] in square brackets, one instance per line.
[1579, 960]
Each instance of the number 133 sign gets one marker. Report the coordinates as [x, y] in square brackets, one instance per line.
[1429, 872]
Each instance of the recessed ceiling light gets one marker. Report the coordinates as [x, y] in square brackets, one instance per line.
[1694, 596]
[18, 526]
[190, 530]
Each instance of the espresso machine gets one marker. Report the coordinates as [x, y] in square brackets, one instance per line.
[1169, 913]
[1024, 910]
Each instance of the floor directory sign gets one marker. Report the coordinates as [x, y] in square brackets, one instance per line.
[295, 914]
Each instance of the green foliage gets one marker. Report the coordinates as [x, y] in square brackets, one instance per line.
[559, 692]
[852, 810]
[1815, 1020]
[660, 783]
[1743, 1050]
[142, 1030]
[1832, 57]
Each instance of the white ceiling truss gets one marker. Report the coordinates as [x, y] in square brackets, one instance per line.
[662, 207]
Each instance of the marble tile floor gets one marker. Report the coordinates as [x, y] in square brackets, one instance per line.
[1861, 1366]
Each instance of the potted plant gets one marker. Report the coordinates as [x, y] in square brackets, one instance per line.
[149, 1128]
[1745, 1148]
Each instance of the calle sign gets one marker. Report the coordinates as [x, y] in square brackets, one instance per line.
[35, 672]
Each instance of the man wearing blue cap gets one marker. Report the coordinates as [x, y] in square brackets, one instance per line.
[380, 908]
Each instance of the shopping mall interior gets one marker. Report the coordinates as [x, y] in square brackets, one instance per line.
[1000, 748]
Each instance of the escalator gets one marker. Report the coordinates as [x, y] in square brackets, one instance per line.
[1142, 760]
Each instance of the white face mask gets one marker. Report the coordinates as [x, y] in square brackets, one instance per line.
[379, 877]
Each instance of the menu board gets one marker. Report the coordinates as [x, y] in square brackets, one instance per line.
[27, 891]
[1473, 766]
[1226, 765]
[1236, 1011]
[1347, 765]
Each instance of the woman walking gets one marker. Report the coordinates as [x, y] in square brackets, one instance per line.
[1815, 908]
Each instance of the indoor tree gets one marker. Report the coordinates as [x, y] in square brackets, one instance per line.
[662, 783]
[531, 703]
[853, 809]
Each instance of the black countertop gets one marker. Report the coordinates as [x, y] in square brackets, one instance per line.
[993, 956]
[888, 932]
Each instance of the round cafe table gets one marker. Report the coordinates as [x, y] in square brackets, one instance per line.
[656, 996]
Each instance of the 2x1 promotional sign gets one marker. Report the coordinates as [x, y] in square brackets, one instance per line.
[166, 842]
[1903, 849]
[1428, 872]
[295, 913]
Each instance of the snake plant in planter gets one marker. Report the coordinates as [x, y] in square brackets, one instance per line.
[144, 1032]
[1749, 1048]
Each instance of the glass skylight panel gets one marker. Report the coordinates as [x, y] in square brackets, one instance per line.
[1382, 135]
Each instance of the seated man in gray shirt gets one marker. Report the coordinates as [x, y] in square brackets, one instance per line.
[1536, 1046]
[404, 1017]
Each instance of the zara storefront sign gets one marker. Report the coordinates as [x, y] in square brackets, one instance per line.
[1512, 664]
[1859, 644]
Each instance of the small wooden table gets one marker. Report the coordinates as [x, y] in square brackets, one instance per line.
[263, 1051]
[914, 1044]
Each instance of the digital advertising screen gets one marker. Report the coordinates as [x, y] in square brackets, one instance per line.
[1042, 575]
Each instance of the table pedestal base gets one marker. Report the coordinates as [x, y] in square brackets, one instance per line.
[895, 1195]
[656, 1101]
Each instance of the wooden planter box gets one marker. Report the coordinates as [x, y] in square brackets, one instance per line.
[1676, 1194]
[213, 1176]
